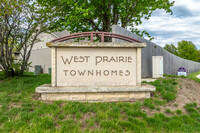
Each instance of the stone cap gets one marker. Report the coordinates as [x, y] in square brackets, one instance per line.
[96, 44]
[47, 88]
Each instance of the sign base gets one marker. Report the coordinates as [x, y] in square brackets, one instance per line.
[95, 94]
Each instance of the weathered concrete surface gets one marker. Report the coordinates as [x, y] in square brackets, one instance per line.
[95, 44]
[95, 93]
[149, 79]
[47, 88]
[96, 63]
[104, 73]
[95, 97]
[170, 61]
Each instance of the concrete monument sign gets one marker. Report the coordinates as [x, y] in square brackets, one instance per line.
[96, 71]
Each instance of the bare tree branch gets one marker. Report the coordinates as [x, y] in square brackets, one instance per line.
[18, 32]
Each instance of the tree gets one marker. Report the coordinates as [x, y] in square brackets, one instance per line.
[199, 55]
[171, 48]
[100, 15]
[185, 49]
[188, 50]
[20, 26]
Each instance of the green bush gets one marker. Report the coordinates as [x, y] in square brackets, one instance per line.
[166, 88]
[149, 103]
[178, 112]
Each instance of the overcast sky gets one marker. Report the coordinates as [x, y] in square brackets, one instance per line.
[184, 24]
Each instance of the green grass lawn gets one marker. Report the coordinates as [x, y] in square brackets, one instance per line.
[193, 76]
[19, 112]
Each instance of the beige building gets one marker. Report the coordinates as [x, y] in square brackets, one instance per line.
[41, 54]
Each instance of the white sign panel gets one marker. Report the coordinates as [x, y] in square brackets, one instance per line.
[182, 73]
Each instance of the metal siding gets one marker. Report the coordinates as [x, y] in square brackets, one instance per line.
[170, 61]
